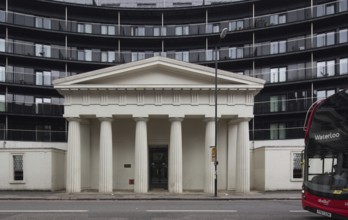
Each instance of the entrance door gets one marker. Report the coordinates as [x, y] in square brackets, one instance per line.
[158, 164]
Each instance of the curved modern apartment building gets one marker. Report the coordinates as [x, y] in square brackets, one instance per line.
[298, 47]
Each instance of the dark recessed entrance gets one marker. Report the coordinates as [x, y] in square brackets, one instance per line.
[158, 164]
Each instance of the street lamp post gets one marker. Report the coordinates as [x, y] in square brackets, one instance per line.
[223, 34]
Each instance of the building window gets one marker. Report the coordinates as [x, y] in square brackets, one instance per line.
[210, 55]
[182, 55]
[43, 23]
[277, 131]
[43, 78]
[325, 68]
[84, 55]
[178, 30]
[108, 56]
[181, 30]
[325, 39]
[159, 31]
[343, 5]
[138, 56]
[343, 66]
[235, 52]
[108, 30]
[42, 50]
[343, 36]
[278, 75]
[2, 103]
[278, 103]
[138, 31]
[84, 28]
[40, 105]
[236, 25]
[216, 28]
[2, 74]
[278, 19]
[322, 94]
[296, 158]
[330, 9]
[2, 16]
[278, 47]
[18, 168]
[2, 45]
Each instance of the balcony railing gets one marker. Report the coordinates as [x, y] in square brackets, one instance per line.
[282, 106]
[113, 29]
[113, 55]
[33, 135]
[33, 109]
[279, 134]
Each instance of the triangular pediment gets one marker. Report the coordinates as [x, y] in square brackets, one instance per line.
[156, 72]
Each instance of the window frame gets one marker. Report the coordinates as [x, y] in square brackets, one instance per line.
[280, 75]
[12, 168]
[292, 166]
[278, 132]
[343, 64]
[329, 67]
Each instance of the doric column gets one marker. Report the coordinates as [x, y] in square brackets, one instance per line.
[243, 158]
[141, 178]
[73, 155]
[175, 156]
[209, 164]
[105, 156]
[231, 155]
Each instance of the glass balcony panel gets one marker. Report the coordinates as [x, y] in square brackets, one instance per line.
[343, 66]
[343, 36]
[2, 45]
[330, 38]
[2, 16]
[343, 5]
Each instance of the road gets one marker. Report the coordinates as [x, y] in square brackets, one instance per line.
[157, 210]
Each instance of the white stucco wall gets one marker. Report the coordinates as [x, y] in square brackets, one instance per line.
[58, 170]
[272, 165]
[43, 165]
[271, 161]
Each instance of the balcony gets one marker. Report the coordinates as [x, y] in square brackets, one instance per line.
[33, 135]
[282, 106]
[65, 25]
[43, 109]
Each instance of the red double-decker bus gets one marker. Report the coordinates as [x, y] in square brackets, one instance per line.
[325, 187]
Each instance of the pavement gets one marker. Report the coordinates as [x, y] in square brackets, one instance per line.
[151, 195]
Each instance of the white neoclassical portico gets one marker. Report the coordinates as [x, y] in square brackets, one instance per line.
[150, 124]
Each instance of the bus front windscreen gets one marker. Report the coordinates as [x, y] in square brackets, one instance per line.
[328, 174]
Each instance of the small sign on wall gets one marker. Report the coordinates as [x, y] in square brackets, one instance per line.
[127, 165]
[213, 153]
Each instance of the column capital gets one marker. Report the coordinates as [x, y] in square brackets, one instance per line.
[238, 120]
[180, 119]
[105, 119]
[145, 119]
[210, 119]
[78, 119]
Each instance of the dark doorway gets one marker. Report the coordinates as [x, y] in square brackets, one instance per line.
[158, 164]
